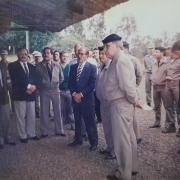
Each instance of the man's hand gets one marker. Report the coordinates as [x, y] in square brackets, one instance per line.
[138, 104]
[28, 91]
[77, 97]
[32, 88]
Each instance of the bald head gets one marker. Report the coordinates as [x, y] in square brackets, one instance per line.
[83, 54]
[77, 47]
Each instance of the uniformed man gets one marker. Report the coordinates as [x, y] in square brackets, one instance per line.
[120, 92]
[104, 106]
[148, 60]
[159, 83]
[139, 75]
[172, 89]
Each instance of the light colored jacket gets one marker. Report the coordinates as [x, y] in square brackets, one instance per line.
[137, 69]
[121, 80]
[44, 82]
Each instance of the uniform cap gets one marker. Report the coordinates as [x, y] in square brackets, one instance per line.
[4, 52]
[34, 52]
[38, 54]
[160, 48]
[125, 44]
[150, 46]
[111, 38]
[101, 48]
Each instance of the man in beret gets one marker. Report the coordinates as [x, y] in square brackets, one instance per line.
[139, 75]
[148, 60]
[120, 92]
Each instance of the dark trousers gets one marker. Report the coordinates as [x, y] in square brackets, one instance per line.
[97, 108]
[87, 112]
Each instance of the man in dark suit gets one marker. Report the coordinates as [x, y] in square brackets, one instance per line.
[82, 80]
[23, 76]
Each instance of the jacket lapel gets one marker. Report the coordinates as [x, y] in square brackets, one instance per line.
[21, 70]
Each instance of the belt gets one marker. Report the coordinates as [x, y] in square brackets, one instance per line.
[169, 80]
[149, 72]
[117, 101]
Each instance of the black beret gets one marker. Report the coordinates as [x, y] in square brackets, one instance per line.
[111, 38]
[125, 44]
[101, 48]
[160, 48]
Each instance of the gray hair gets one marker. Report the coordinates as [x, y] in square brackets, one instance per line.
[120, 43]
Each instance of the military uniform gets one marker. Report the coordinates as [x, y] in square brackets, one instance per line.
[148, 60]
[120, 92]
[105, 108]
[4, 107]
[172, 90]
[139, 75]
[159, 82]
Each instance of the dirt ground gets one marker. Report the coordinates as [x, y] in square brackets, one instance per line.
[52, 159]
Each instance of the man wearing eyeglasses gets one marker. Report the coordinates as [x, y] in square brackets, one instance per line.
[82, 80]
[23, 76]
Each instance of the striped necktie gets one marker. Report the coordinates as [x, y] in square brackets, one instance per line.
[26, 70]
[79, 72]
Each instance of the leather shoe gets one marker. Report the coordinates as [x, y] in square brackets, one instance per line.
[63, 135]
[24, 140]
[170, 129]
[44, 136]
[1, 146]
[93, 148]
[75, 143]
[104, 151]
[12, 143]
[134, 173]
[155, 126]
[110, 156]
[34, 138]
[139, 141]
[178, 133]
[113, 177]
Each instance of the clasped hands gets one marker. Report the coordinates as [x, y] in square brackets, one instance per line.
[31, 90]
[77, 97]
[138, 104]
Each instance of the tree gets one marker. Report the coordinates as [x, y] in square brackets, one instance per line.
[67, 43]
[38, 40]
[127, 27]
[97, 26]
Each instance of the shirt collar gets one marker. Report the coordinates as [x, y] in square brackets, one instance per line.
[82, 63]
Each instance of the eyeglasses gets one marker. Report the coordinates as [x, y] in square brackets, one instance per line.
[81, 54]
[23, 54]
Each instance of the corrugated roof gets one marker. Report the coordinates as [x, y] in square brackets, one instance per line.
[50, 15]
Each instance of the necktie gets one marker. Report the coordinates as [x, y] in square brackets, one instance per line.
[26, 70]
[79, 72]
[49, 70]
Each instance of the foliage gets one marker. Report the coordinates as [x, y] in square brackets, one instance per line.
[38, 40]
[67, 43]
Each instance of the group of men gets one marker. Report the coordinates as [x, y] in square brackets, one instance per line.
[111, 77]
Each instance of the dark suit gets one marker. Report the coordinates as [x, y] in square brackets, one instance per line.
[85, 108]
[24, 103]
[20, 81]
